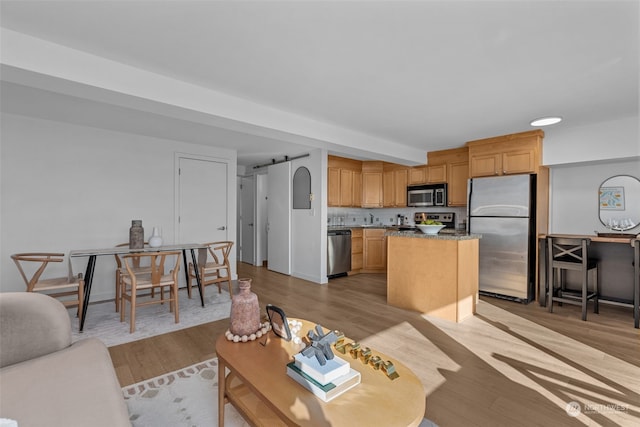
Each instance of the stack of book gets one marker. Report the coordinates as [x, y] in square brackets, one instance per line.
[325, 381]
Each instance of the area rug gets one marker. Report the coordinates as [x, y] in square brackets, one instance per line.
[187, 397]
[103, 322]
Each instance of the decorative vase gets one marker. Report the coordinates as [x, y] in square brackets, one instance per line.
[136, 235]
[155, 241]
[245, 310]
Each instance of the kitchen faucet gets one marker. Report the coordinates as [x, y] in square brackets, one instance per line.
[371, 217]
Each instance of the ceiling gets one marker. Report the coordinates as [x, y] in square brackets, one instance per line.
[426, 75]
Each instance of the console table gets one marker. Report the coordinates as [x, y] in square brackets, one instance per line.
[615, 270]
[258, 386]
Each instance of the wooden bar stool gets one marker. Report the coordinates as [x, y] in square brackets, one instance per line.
[571, 254]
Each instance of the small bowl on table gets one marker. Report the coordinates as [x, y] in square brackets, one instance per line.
[430, 229]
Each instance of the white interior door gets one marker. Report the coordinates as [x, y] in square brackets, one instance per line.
[247, 219]
[202, 200]
[279, 218]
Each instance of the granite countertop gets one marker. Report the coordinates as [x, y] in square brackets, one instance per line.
[349, 227]
[443, 235]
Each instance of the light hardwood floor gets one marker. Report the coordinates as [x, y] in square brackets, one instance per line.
[511, 364]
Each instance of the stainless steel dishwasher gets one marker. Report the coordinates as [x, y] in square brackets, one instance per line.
[338, 253]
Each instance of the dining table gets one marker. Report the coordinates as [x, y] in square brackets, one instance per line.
[93, 254]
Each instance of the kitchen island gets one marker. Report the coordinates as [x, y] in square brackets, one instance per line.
[434, 274]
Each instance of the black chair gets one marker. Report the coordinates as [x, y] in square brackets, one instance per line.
[570, 254]
[636, 281]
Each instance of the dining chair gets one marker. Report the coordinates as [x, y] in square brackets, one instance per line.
[565, 254]
[120, 270]
[57, 287]
[212, 263]
[134, 282]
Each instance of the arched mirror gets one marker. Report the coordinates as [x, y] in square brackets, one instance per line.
[619, 202]
[302, 188]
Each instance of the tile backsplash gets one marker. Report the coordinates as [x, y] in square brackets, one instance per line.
[386, 216]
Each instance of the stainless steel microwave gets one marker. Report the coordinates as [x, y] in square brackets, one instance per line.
[427, 195]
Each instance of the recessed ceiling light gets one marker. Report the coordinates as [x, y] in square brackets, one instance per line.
[546, 121]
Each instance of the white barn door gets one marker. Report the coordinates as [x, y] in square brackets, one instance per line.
[279, 218]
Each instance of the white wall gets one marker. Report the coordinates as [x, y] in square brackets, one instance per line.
[309, 226]
[616, 139]
[68, 187]
[574, 195]
[580, 159]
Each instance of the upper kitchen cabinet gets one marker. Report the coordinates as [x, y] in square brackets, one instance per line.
[394, 185]
[455, 164]
[372, 172]
[417, 175]
[518, 153]
[344, 187]
[430, 174]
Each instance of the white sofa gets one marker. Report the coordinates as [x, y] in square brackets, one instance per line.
[45, 380]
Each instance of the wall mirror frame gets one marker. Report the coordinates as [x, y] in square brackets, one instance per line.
[619, 202]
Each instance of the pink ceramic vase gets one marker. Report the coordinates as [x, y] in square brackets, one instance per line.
[245, 310]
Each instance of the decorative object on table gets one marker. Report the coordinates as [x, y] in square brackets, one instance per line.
[318, 370]
[326, 392]
[279, 323]
[365, 355]
[294, 327]
[245, 311]
[264, 328]
[320, 345]
[136, 235]
[330, 371]
[155, 241]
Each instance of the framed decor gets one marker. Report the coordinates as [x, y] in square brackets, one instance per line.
[279, 323]
[612, 198]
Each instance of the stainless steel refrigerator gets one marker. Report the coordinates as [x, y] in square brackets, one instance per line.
[502, 209]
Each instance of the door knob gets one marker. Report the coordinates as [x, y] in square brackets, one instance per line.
[222, 228]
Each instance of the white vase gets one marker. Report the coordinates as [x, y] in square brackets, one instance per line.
[155, 241]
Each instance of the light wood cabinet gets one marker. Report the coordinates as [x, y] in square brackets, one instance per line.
[429, 174]
[448, 291]
[344, 186]
[457, 183]
[519, 153]
[357, 189]
[436, 174]
[375, 250]
[357, 250]
[394, 187]
[372, 184]
[333, 187]
[417, 175]
[456, 162]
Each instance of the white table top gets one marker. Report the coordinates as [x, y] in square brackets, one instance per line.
[127, 250]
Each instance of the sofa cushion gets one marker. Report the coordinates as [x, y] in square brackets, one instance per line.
[76, 386]
[31, 325]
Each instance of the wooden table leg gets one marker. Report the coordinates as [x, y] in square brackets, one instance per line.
[221, 391]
